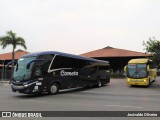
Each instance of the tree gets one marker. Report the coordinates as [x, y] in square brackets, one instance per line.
[153, 47]
[11, 39]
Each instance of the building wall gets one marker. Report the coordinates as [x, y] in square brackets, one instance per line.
[5, 73]
[117, 64]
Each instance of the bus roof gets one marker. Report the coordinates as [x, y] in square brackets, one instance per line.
[139, 60]
[63, 54]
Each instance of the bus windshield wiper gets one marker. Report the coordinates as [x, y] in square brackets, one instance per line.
[136, 73]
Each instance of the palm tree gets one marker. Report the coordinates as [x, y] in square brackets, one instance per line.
[12, 39]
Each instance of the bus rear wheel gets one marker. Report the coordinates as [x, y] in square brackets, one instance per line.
[54, 89]
[99, 83]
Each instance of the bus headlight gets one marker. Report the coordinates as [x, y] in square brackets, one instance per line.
[145, 80]
[26, 85]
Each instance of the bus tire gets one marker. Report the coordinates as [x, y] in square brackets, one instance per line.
[154, 79]
[99, 83]
[54, 89]
[149, 83]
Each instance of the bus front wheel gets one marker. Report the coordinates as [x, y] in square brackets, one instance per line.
[54, 89]
[149, 83]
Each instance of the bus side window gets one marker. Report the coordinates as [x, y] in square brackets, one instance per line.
[103, 67]
[64, 62]
[45, 64]
[37, 71]
[46, 57]
[45, 67]
[151, 65]
[82, 64]
[72, 63]
[57, 63]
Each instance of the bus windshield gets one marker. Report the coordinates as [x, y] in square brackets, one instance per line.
[137, 70]
[21, 72]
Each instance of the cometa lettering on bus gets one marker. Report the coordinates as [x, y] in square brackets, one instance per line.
[63, 73]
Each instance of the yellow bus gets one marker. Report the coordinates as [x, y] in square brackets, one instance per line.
[140, 72]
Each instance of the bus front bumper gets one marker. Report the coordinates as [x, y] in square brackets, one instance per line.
[26, 88]
[143, 82]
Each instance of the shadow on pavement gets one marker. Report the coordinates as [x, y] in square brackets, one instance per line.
[67, 91]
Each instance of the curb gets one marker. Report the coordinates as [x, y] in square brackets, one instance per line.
[4, 83]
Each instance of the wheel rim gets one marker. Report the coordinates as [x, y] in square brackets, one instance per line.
[99, 83]
[53, 89]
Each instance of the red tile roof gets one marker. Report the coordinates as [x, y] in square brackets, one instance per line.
[8, 56]
[113, 52]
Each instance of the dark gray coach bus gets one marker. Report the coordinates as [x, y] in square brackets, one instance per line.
[53, 71]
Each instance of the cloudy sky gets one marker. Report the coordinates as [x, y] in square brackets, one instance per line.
[79, 26]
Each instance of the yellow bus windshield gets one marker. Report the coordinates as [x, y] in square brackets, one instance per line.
[137, 70]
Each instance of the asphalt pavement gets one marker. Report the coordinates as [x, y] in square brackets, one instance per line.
[116, 96]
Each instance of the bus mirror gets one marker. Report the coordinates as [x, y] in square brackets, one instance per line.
[125, 69]
[10, 63]
[148, 68]
[29, 64]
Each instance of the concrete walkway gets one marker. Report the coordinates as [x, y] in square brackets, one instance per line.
[4, 82]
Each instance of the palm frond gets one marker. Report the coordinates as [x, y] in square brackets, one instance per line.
[11, 39]
[11, 34]
[21, 44]
[5, 40]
